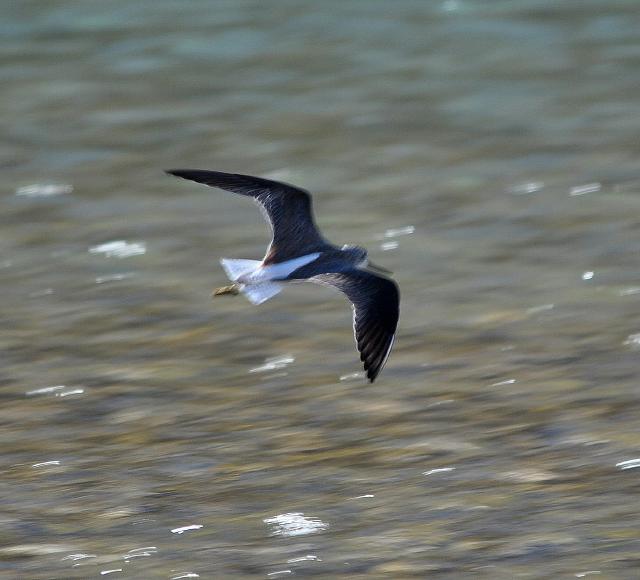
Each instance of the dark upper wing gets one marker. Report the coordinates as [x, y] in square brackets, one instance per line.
[286, 207]
[376, 307]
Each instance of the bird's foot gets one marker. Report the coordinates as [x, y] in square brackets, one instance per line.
[233, 289]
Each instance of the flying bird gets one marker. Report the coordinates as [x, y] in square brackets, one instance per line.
[298, 252]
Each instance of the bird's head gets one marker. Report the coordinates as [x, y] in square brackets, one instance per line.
[361, 259]
[356, 253]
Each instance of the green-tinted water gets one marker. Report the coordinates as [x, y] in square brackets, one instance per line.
[144, 436]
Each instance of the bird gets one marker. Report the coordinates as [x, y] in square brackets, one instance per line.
[298, 252]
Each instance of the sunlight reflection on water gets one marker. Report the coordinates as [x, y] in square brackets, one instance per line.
[486, 150]
[629, 464]
[119, 249]
[44, 190]
[184, 529]
[274, 363]
[295, 524]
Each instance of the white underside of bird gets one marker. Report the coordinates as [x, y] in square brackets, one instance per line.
[259, 282]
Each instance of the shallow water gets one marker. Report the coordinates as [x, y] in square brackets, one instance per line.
[487, 153]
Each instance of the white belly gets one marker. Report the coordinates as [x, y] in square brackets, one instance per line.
[253, 272]
[276, 271]
[255, 279]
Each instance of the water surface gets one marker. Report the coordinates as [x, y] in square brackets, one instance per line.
[487, 153]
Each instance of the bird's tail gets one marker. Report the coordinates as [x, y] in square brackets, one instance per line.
[255, 293]
[237, 268]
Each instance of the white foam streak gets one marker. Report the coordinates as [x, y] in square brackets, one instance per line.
[403, 231]
[46, 463]
[274, 363]
[113, 277]
[438, 470]
[307, 558]
[584, 189]
[387, 246]
[79, 556]
[629, 464]
[526, 188]
[184, 529]
[45, 390]
[44, 189]
[119, 249]
[294, 524]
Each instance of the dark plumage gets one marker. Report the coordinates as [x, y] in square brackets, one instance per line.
[288, 209]
[375, 303]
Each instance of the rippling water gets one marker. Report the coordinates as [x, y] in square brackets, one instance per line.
[486, 152]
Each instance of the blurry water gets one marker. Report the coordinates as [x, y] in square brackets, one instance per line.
[486, 152]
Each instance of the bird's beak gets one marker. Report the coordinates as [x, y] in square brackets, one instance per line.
[378, 269]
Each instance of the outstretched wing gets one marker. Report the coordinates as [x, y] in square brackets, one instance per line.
[376, 307]
[287, 209]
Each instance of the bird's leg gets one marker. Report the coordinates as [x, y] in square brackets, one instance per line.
[233, 289]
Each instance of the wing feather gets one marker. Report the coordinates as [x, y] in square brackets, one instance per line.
[376, 308]
[287, 209]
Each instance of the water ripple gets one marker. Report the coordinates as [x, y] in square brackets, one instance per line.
[307, 558]
[45, 390]
[403, 231]
[113, 277]
[274, 363]
[46, 463]
[79, 556]
[184, 529]
[629, 464]
[56, 391]
[387, 246]
[140, 553]
[294, 524]
[525, 188]
[503, 383]
[633, 340]
[438, 470]
[584, 189]
[119, 249]
[44, 189]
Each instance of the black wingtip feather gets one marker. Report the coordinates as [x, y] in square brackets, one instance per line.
[183, 173]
